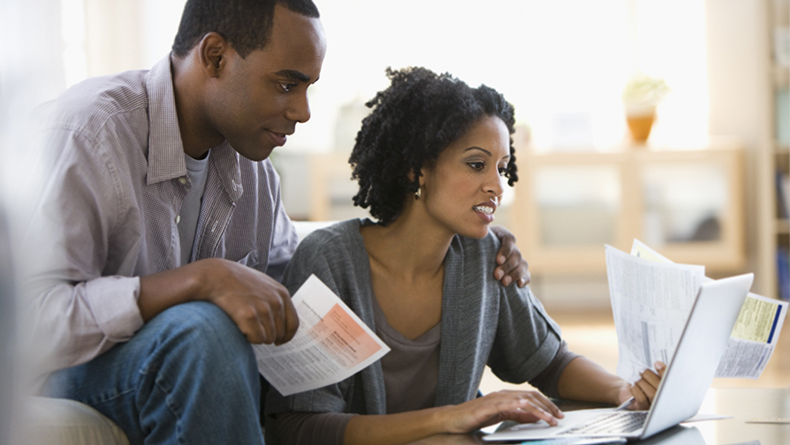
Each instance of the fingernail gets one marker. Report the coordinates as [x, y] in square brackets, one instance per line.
[506, 281]
[498, 274]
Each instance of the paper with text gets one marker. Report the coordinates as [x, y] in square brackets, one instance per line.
[650, 304]
[331, 344]
[755, 334]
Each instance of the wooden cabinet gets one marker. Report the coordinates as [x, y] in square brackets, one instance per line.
[686, 204]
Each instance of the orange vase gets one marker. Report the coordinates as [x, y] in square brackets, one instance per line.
[640, 126]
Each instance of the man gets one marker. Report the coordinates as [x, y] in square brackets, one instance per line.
[172, 233]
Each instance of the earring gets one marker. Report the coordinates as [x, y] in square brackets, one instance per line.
[418, 193]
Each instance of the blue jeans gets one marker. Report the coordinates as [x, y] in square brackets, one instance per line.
[189, 376]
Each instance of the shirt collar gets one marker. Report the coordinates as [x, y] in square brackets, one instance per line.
[165, 147]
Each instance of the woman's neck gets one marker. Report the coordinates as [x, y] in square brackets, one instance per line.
[410, 247]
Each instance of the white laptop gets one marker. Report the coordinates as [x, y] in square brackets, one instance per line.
[685, 382]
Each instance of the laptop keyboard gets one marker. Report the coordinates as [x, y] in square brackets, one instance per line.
[619, 422]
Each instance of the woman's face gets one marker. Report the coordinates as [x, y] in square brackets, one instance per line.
[463, 189]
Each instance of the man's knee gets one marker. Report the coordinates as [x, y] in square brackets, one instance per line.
[203, 335]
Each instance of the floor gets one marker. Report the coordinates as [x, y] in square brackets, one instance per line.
[592, 334]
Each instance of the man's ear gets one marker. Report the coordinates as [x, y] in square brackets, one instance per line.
[212, 50]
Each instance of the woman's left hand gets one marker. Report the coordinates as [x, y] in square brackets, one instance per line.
[644, 390]
[511, 266]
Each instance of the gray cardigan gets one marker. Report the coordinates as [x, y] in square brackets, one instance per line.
[483, 322]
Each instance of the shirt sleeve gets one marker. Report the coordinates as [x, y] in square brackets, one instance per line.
[73, 312]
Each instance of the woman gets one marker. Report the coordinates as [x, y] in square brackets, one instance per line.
[431, 160]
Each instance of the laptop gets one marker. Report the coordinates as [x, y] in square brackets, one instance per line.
[683, 387]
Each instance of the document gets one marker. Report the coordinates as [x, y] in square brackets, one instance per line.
[331, 344]
[650, 303]
[751, 343]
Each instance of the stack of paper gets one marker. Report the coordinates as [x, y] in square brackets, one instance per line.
[651, 299]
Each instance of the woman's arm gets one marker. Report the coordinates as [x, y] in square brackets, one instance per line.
[587, 381]
[520, 406]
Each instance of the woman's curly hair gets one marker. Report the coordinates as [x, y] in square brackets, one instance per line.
[412, 121]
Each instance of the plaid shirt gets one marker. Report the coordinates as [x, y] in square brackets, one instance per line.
[111, 204]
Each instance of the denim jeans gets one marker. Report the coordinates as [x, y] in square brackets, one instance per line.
[187, 377]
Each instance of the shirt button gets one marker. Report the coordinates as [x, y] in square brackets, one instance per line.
[178, 219]
[182, 180]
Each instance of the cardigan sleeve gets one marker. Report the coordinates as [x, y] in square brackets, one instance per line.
[527, 339]
[308, 428]
[548, 380]
[312, 257]
[322, 412]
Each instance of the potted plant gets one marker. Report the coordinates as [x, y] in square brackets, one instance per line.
[640, 97]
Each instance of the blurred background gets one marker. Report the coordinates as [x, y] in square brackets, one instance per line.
[705, 187]
[708, 185]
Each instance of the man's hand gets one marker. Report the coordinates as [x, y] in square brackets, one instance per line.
[260, 306]
[512, 267]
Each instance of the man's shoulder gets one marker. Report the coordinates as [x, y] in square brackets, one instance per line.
[90, 104]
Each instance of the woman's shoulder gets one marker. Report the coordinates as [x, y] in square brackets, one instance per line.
[338, 238]
[330, 234]
[329, 252]
[481, 249]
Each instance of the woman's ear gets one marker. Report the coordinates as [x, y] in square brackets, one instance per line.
[422, 176]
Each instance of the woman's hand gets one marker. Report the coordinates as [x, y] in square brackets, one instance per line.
[520, 406]
[644, 390]
[511, 266]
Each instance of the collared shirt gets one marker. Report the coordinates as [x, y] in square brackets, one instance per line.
[111, 204]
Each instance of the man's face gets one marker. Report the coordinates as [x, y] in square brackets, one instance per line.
[258, 100]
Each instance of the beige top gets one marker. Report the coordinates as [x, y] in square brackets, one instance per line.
[411, 368]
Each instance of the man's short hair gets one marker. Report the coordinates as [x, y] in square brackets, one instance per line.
[245, 24]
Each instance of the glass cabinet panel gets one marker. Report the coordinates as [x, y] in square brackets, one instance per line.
[577, 204]
[683, 202]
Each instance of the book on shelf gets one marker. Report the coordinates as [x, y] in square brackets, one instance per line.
[782, 194]
[783, 272]
[782, 116]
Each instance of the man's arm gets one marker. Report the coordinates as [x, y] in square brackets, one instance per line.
[260, 306]
[83, 243]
